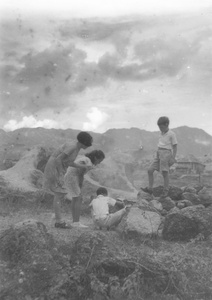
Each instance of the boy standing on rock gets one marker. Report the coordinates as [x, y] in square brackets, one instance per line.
[165, 157]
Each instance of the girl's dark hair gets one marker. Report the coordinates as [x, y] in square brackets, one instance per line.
[85, 138]
[101, 191]
[163, 121]
[95, 154]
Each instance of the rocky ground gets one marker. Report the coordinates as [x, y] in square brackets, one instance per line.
[91, 264]
[162, 249]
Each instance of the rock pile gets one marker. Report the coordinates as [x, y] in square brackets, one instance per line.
[185, 214]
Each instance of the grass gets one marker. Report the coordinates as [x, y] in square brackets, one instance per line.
[191, 262]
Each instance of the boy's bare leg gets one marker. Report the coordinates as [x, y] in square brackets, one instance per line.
[57, 207]
[115, 218]
[151, 179]
[166, 184]
[166, 180]
[76, 208]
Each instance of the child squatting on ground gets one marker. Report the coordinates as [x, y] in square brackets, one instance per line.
[56, 168]
[100, 210]
[165, 157]
[74, 180]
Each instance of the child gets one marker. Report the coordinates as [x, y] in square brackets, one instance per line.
[100, 210]
[166, 153]
[56, 168]
[74, 180]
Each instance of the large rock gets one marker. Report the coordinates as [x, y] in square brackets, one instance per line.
[191, 197]
[183, 203]
[158, 190]
[167, 203]
[175, 193]
[29, 262]
[26, 174]
[142, 195]
[140, 222]
[190, 189]
[205, 196]
[156, 204]
[188, 223]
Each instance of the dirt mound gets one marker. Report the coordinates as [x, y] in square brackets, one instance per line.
[26, 174]
[105, 270]
[93, 267]
[31, 264]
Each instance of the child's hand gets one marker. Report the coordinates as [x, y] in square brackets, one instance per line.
[127, 207]
[172, 161]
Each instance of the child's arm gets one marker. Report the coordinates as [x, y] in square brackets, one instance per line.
[174, 150]
[119, 204]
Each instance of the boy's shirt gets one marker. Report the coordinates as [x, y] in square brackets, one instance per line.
[167, 140]
[100, 206]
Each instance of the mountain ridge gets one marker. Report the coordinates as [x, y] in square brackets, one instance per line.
[190, 140]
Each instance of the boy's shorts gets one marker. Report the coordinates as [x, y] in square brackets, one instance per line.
[163, 161]
[111, 219]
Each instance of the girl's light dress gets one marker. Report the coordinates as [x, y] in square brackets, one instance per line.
[74, 177]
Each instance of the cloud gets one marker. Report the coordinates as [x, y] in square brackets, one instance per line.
[46, 68]
[95, 30]
[30, 122]
[96, 119]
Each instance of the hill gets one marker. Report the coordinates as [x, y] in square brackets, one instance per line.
[140, 143]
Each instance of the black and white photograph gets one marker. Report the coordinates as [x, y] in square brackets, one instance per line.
[106, 150]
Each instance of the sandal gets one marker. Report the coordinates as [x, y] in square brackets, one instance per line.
[62, 225]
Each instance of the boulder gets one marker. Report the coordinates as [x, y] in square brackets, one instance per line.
[180, 205]
[29, 262]
[26, 174]
[142, 203]
[142, 195]
[156, 204]
[183, 203]
[194, 198]
[174, 210]
[198, 187]
[167, 203]
[205, 196]
[175, 193]
[188, 223]
[190, 189]
[140, 222]
[158, 190]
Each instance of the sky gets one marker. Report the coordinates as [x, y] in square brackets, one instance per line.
[95, 65]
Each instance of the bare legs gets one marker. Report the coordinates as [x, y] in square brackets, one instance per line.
[151, 178]
[57, 206]
[165, 178]
[76, 208]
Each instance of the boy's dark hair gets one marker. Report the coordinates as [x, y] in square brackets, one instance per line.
[95, 154]
[163, 121]
[101, 191]
[85, 138]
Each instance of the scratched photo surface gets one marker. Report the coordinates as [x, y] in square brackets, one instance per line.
[96, 65]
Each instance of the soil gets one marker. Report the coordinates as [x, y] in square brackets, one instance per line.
[47, 218]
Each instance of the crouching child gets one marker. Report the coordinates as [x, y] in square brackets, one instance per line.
[100, 210]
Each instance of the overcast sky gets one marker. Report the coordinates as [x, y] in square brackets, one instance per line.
[95, 65]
